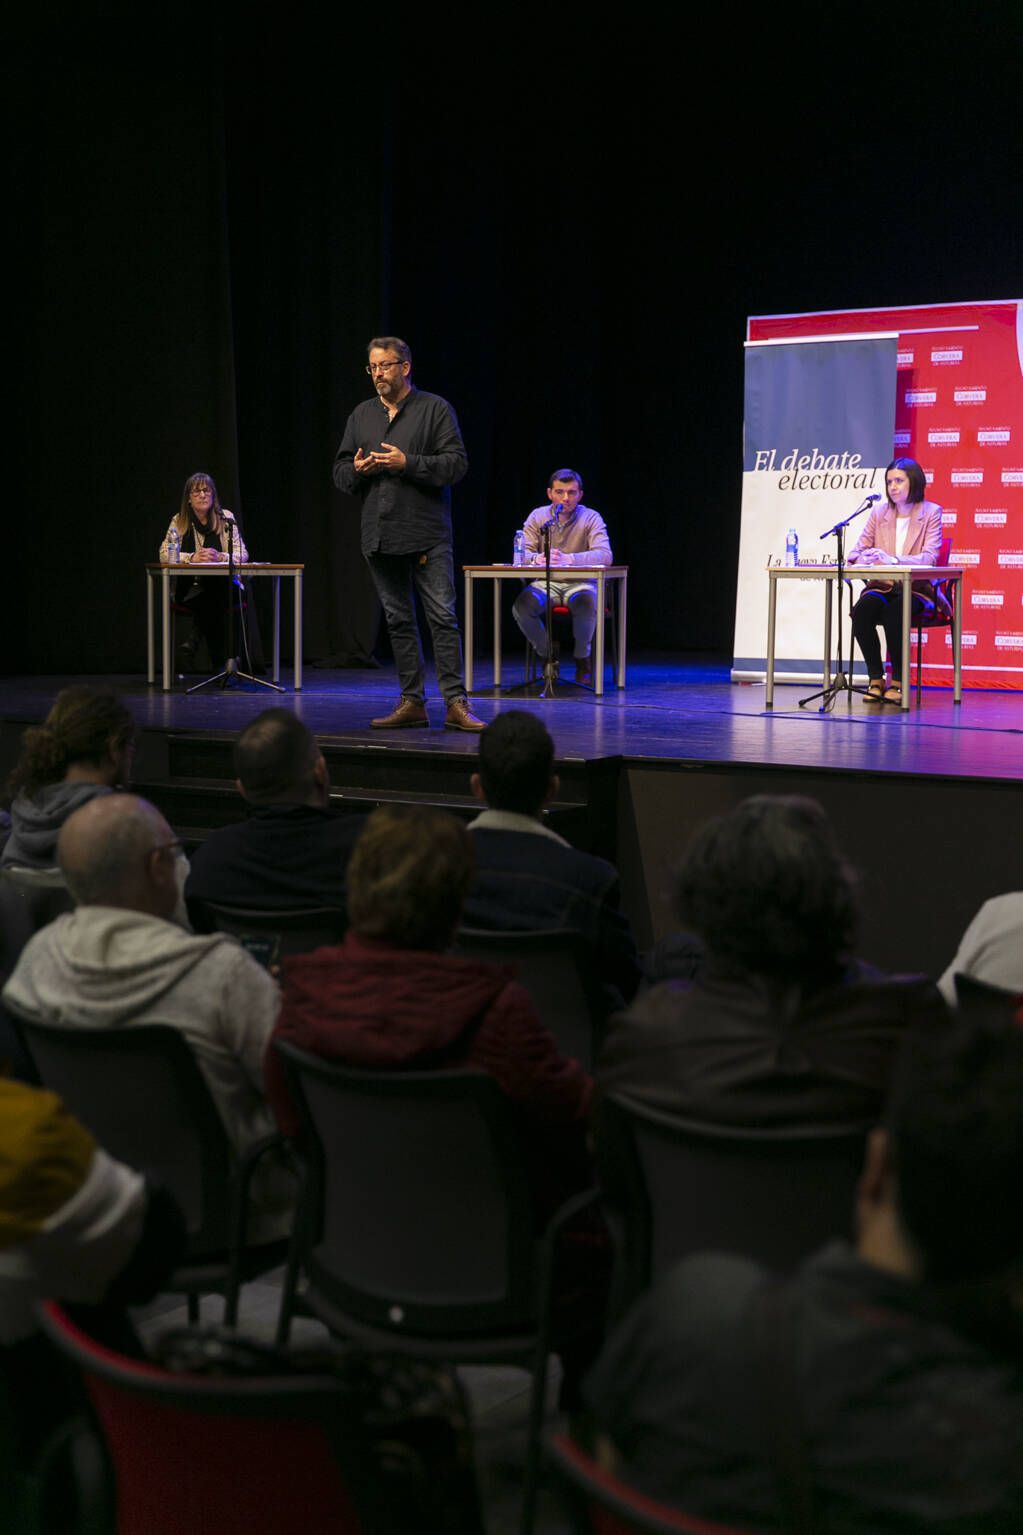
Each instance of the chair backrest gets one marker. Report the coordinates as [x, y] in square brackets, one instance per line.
[557, 968]
[674, 1187]
[422, 1218]
[603, 1504]
[981, 1001]
[271, 934]
[140, 1091]
[42, 892]
[235, 1456]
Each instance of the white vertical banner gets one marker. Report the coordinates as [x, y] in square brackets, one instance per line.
[818, 429]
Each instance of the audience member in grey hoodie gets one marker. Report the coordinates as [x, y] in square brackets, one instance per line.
[119, 960]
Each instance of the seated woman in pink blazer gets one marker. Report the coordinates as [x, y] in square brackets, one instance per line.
[904, 530]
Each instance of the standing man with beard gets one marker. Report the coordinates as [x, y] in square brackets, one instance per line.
[401, 453]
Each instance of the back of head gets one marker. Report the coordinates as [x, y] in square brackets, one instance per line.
[955, 1123]
[768, 891]
[83, 725]
[274, 759]
[407, 877]
[103, 850]
[516, 762]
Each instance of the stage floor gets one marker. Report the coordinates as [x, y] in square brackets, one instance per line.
[676, 709]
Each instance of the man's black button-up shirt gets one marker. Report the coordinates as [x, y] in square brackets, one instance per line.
[407, 512]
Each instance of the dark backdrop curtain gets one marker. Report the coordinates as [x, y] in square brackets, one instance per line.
[569, 226]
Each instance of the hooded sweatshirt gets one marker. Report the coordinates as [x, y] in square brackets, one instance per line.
[106, 967]
[368, 1004]
[36, 820]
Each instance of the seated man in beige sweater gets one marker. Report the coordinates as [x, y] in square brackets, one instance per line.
[578, 537]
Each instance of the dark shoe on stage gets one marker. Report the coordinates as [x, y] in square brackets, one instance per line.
[583, 671]
[409, 715]
[459, 717]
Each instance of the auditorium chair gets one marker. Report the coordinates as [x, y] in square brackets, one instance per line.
[141, 1093]
[673, 1187]
[980, 1001]
[417, 1230]
[600, 1503]
[556, 966]
[270, 933]
[236, 1455]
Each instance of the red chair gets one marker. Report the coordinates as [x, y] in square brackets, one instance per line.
[561, 632]
[940, 612]
[194, 1453]
[600, 1504]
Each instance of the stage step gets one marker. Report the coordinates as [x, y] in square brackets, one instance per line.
[191, 778]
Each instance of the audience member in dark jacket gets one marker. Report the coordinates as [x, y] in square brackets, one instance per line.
[884, 1380]
[526, 876]
[780, 1027]
[290, 852]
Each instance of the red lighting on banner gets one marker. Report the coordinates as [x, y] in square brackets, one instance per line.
[959, 413]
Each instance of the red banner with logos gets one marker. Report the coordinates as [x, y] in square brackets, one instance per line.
[959, 413]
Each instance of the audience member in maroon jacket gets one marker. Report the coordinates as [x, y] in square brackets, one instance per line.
[389, 996]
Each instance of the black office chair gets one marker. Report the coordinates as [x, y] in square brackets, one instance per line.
[417, 1231]
[271, 933]
[673, 1187]
[140, 1091]
[557, 969]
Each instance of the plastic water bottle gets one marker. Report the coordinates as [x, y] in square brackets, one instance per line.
[173, 546]
[519, 548]
[792, 547]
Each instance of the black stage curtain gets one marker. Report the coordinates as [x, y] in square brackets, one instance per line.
[569, 226]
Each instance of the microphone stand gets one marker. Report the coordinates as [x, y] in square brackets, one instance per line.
[231, 668]
[840, 683]
[553, 686]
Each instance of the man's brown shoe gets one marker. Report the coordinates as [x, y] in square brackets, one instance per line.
[583, 671]
[409, 715]
[459, 717]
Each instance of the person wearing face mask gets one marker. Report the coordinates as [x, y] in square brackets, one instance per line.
[205, 529]
[903, 530]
